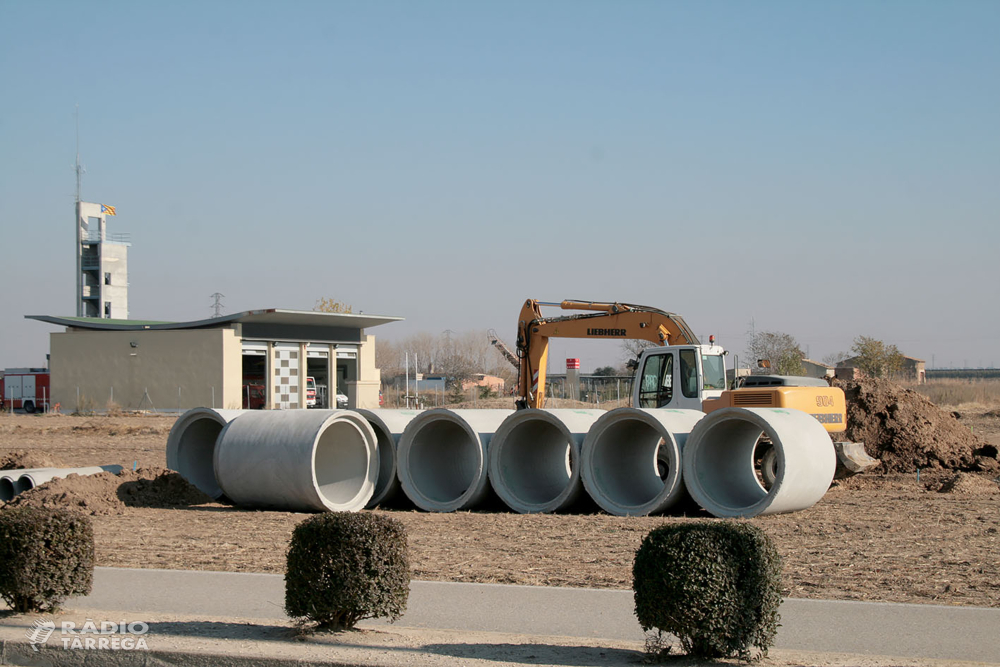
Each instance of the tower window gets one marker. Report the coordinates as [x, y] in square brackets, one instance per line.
[107, 309]
[107, 278]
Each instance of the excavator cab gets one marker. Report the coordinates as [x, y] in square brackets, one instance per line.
[679, 376]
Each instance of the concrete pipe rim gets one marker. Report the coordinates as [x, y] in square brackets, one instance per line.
[342, 456]
[428, 485]
[534, 462]
[191, 448]
[639, 444]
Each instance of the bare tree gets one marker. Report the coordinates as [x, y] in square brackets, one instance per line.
[779, 351]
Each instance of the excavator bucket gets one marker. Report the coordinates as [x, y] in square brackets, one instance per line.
[852, 459]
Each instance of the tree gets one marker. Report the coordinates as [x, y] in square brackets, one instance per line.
[605, 371]
[778, 349]
[875, 358]
[325, 305]
[835, 358]
[633, 347]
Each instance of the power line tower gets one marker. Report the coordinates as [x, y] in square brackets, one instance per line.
[217, 306]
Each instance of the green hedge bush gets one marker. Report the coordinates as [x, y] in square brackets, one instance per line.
[715, 585]
[46, 556]
[344, 567]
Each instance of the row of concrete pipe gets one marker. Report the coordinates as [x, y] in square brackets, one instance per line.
[628, 461]
[15, 482]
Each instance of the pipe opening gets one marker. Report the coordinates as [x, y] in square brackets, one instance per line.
[23, 483]
[625, 463]
[444, 461]
[340, 460]
[195, 451]
[536, 462]
[6, 489]
[724, 462]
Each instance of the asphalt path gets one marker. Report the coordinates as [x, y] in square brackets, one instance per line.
[904, 630]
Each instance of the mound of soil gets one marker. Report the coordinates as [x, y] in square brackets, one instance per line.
[906, 431]
[108, 494]
[21, 459]
[969, 484]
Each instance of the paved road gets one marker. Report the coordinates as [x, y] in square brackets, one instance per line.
[912, 631]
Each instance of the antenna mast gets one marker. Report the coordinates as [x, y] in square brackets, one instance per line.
[80, 171]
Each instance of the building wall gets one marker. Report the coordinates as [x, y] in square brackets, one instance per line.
[363, 392]
[145, 369]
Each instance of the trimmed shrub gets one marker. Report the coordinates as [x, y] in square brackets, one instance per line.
[344, 567]
[46, 556]
[715, 585]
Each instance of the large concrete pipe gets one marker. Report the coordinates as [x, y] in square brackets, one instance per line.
[29, 479]
[443, 458]
[534, 458]
[631, 463]
[298, 460]
[191, 446]
[719, 461]
[388, 426]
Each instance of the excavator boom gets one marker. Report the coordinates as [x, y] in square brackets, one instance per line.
[609, 320]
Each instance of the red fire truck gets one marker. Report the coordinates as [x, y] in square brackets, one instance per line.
[25, 388]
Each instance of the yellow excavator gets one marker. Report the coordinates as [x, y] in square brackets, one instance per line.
[677, 372]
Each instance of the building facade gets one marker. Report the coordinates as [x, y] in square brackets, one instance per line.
[254, 359]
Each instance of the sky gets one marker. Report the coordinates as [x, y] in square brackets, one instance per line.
[822, 169]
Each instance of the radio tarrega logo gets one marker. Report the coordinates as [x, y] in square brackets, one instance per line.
[90, 635]
[39, 633]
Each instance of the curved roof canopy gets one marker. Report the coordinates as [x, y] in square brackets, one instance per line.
[269, 316]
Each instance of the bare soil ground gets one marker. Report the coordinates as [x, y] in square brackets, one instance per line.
[885, 537]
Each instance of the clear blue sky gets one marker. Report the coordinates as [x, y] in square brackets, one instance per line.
[827, 169]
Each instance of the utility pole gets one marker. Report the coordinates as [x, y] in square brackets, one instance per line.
[218, 304]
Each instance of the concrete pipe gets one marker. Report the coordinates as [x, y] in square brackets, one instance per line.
[298, 460]
[29, 479]
[719, 461]
[388, 426]
[191, 446]
[443, 458]
[631, 463]
[534, 458]
[7, 486]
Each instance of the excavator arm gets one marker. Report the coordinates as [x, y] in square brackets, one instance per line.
[608, 320]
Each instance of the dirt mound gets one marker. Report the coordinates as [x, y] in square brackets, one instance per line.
[105, 493]
[907, 432]
[20, 459]
[969, 484]
[113, 429]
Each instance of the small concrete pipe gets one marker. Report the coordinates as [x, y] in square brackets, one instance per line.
[631, 463]
[719, 461]
[8, 483]
[534, 458]
[29, 479]
[191, 446]
[443, 458]
[389, 426]
[298, 460]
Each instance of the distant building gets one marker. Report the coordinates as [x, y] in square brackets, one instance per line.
[101, 265]
[816, 369]
[913, 370]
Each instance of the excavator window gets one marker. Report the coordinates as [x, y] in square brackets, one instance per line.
[657, 388]
[689, 373]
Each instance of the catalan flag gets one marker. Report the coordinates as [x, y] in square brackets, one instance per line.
[107, 210]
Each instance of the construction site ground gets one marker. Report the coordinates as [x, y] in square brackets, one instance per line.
[893, 538]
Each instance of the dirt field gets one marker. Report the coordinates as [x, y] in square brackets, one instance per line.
[887, 538]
